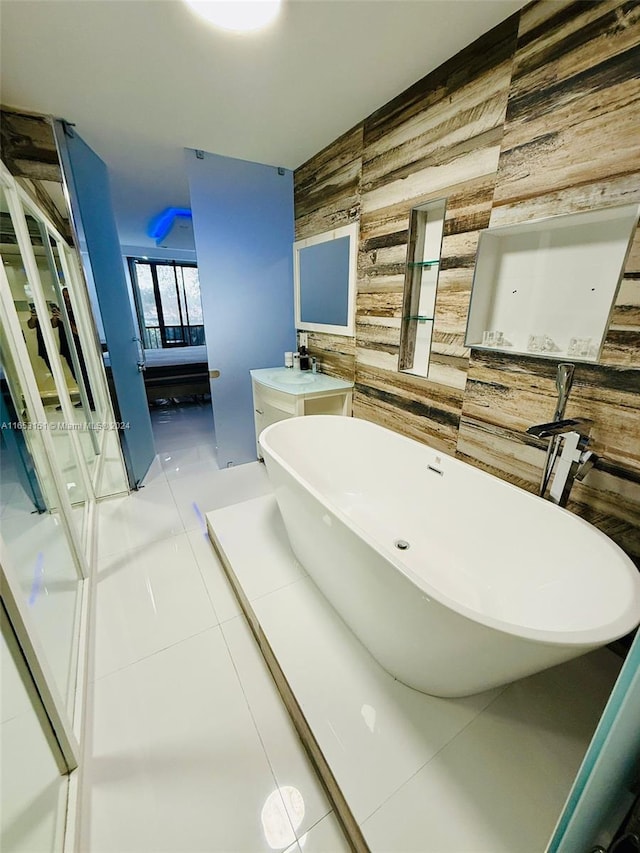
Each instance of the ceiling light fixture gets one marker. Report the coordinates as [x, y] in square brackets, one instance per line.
[241, 16]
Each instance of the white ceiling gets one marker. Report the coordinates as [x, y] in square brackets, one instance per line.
[143, 79]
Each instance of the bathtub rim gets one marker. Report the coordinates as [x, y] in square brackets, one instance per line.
[627, 621]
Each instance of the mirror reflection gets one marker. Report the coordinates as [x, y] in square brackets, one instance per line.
[41, 356]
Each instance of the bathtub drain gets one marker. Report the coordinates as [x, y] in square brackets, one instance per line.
[402, 544]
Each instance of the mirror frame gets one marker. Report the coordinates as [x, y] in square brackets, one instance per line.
[350, 231]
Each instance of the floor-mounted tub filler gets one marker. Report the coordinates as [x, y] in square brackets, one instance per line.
[454, 580]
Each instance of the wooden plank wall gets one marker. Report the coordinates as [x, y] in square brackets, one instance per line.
[536, 118]
[326, 196]
[571, 142]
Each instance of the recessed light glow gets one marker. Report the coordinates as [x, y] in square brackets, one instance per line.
[241, 16]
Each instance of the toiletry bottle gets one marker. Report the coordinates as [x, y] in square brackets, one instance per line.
[304, 359]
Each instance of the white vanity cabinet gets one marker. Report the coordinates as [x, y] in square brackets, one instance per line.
[280, 392]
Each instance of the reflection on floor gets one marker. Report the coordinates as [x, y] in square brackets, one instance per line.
[481, 774]
[191, 749]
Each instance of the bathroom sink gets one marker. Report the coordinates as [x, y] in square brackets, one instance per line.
[296, 377]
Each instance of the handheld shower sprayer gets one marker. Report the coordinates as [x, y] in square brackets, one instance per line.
[564, 380]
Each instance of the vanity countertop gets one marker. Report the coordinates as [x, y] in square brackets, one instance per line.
[298, 382]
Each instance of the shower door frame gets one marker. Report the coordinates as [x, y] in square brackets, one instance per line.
[67, 721]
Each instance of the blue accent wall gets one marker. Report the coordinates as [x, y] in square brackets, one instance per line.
[243, 226]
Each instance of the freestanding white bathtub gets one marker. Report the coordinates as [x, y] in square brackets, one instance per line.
[453, 579]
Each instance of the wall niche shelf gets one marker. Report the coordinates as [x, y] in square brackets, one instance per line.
[546, 288]
[426, 225]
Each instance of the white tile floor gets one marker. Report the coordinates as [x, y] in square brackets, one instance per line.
[483, 774]
[191, 749]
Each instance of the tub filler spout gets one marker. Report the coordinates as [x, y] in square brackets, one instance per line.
[574, 462]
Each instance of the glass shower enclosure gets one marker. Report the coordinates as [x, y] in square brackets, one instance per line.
[59, 454]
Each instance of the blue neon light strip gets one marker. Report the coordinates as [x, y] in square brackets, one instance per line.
[161, 224]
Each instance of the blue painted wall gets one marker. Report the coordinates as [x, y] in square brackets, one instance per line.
[243, 226]
[87, 178]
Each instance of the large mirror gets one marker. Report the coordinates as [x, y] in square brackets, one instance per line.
[324, 271]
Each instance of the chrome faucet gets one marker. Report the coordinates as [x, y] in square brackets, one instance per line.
[575, 460]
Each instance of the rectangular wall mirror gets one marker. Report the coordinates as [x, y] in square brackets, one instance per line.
[324, 276]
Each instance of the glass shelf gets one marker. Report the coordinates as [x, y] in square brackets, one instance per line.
[426, 227]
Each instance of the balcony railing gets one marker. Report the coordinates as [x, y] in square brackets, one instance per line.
[175, 336]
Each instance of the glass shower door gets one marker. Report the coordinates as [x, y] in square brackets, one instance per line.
[35, 538]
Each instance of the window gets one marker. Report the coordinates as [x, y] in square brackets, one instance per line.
[167, 297]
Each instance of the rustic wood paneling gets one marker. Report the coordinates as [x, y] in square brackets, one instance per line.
[570, 144]
[441, 140]
[398, 401]
[326, 196]
[539, 117]
[622, 342]
[454, 74]
[505, 395]
[28, 146]
[327, 187]
[572, 118]
[336, 354]
[29, 151]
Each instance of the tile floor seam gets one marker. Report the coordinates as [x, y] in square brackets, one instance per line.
[246, 622]
[435, 755]
[144, 546]
[156, 652]
[203, 578]
[314, 825]
[137, 494]
[154, 541]
[280, 588]
[254, 721]
[200, 514]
